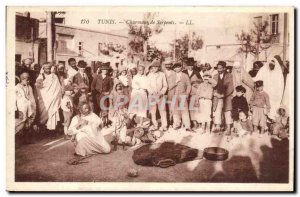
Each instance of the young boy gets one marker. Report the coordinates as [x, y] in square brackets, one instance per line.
[25, 104]
[83, 96]
[67, 108]
[281, 125]
[243, 126]
[119, 116]
[205, 95]
[260, 105]
[194, 104]
[239, 102]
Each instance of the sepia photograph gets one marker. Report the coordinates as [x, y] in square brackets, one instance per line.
[150, 98]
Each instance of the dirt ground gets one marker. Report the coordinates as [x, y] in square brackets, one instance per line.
[251, 159]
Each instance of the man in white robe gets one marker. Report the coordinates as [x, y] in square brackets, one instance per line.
[49, 97]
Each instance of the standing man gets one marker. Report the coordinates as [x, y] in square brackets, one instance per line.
[62, 76]
[157, 90]
[182, 91]
[101, 86]
[191, 71]
[171, 80]
[81, 76]
[195, 78]
[223, 92]
[71, 69]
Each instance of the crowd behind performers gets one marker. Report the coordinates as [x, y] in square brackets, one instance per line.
[220, 99]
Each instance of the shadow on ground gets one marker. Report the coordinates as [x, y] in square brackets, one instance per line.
[36, 163]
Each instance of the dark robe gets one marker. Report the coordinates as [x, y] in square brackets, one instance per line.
[239, 103]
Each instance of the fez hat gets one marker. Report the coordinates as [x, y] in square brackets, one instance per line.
[68, 88]
[81, 64]
[259, 83]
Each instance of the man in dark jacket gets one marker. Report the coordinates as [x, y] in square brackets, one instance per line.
[222, 101]
[81, 76]
[102, 85]
[191, 71]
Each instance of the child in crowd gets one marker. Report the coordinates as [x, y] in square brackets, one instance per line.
[281, 125]
[82, 96]
[244, 125]
[75, 88]
[67, 108]
[260, 105]
[239, 102]
[118, 99]
[205, 95]
[119, 116]
[194, 100]
[124, 80]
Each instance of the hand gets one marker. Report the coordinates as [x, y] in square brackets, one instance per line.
[35, 127]
[68, 105]
[73, 138]
[21, 115]
[84, 122]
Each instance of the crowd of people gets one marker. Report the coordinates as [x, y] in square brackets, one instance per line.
[150, 99]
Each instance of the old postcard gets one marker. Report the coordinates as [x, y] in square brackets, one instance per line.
[150, 98]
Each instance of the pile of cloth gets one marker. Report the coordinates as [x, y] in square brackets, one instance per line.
[164, 154]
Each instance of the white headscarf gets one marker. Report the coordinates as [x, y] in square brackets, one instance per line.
[44, 65]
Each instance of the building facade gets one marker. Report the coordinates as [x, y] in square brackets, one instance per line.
[83, 44]
[27, 41]
[221, 43]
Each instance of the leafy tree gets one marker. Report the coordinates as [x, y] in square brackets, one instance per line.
[256, 41]
[140, 34]
[183, 44]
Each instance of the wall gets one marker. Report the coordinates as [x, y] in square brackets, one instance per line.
[25, 50]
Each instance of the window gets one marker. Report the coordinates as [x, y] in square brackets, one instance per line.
[65, 44]
[59, 20]
[80, 48]
[258, 20]
[274, 24]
